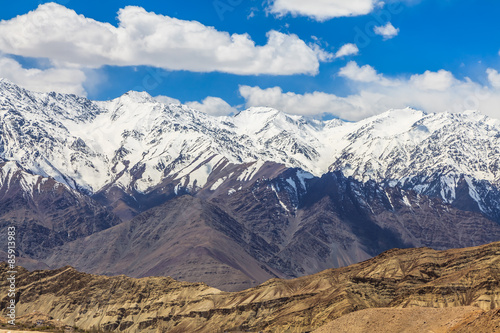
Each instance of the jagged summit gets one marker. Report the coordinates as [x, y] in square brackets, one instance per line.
[138, 97]
[407, 112]
[4, 81]
[258, 110]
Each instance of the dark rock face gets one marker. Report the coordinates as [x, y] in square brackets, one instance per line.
[185, 238]
[467, 194]
[335, 221]
[46, 213]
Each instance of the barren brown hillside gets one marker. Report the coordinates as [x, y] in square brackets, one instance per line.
[464, 282]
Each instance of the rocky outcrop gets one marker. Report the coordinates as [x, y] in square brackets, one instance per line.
[410, 278]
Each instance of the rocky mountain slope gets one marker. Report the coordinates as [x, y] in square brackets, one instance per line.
[408, 279]
[45, 213]
[187, 238]
[268, 230]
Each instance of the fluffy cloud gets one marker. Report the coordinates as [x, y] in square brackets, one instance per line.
[364, 73]
[167, 100]
[441, 80]
[64, 80]
[493, 77]
[143, 38]
[214, 106]
[374, 93]
[387, 31]
[347, 50]
[322, 10]
[315, 103]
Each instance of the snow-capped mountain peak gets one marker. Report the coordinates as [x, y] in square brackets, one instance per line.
[135, 142]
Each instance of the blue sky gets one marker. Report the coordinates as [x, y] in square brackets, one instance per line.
[435, 55]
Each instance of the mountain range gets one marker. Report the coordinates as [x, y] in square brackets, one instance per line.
[138, 187]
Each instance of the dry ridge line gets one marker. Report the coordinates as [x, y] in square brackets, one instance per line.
[456, 291]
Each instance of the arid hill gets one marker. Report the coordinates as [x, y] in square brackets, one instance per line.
[462, 285]
[415, 320]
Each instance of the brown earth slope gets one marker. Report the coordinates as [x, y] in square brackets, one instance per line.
[395, 279]
[415, 320]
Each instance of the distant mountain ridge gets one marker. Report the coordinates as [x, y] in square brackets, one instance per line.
[136, 144]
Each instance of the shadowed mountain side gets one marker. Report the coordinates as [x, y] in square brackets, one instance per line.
[410, 278]
[334, 221]
[185, 238]
[273, 229]
[45, 212]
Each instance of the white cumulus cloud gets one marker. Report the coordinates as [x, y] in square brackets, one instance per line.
[167, 100]
[347, 50]
[322, 10]
[364, 73]
[63, 80]
[213, 105]
[441, 80]
[387, 31]
[493, 77]
[375, 93]
[310, 104]
[144, 38]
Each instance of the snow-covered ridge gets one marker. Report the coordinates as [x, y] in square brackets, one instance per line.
[136, 141]
[12, 175]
